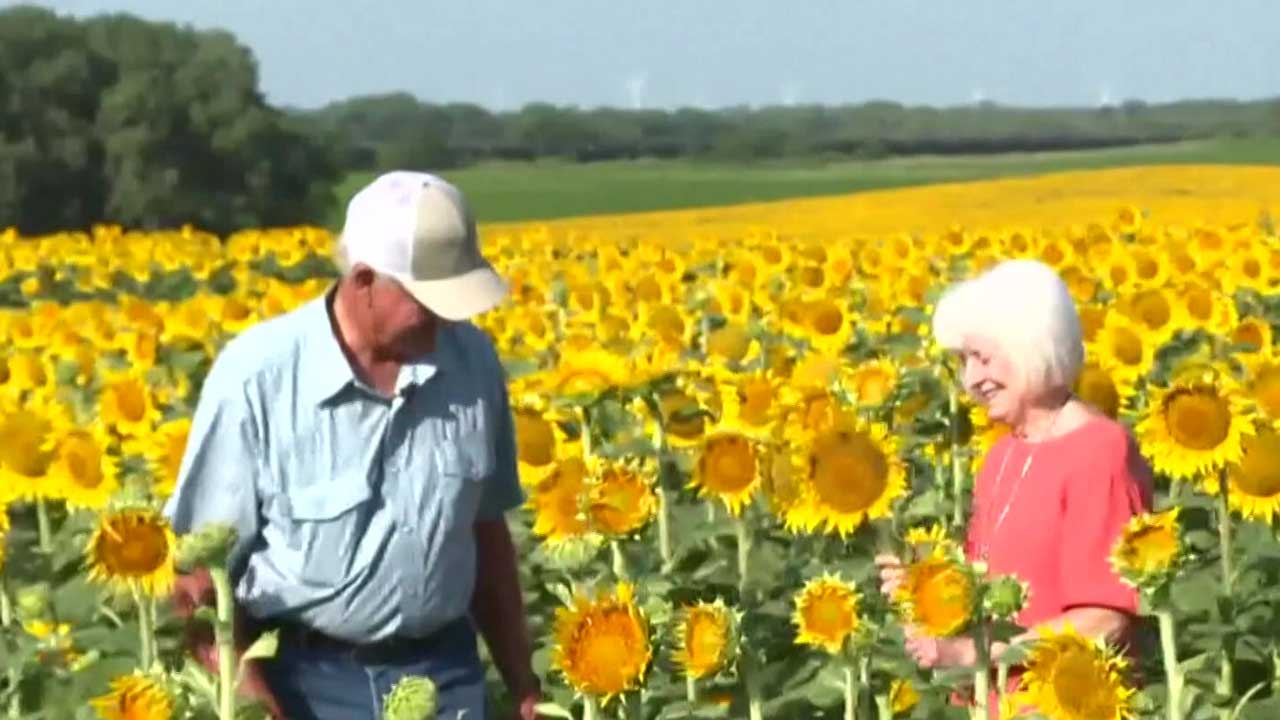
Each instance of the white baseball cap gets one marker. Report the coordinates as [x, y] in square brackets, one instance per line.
[418, 229]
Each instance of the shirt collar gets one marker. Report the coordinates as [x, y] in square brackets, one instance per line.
[330, 372]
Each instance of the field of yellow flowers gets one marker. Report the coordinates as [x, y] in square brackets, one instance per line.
[721, 415]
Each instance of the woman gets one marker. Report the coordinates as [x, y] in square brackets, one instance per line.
[1053, 495]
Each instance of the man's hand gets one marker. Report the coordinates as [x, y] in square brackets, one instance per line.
[528, 706]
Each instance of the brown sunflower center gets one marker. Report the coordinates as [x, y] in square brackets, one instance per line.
[942, 597]
[1080, 686]
[1096, 387]
[1151, 548]
[756, 398]
[131, 401]
[1198, 419]
[1266, 390]
[825, 317]
[1199, 304]
[1153, 309]
[1258, 473]
[848, 470]
[667, 322]
[681, 415]
[535, 439]
[829, 615]
[730, 342]
[84, 461]
[619, 502]
[729, 464]
[22, 437]
[1250, 332]
[812, 276]
[133, 549]
[1126, 346]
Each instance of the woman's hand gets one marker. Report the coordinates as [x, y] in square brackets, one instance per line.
[891, 573]
[932, 652]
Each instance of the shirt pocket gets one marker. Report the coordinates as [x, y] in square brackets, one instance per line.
[327, 522]
[462, 468]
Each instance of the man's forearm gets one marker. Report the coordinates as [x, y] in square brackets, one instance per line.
[498, 607]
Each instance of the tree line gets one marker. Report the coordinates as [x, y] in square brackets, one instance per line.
[151, 124]
[398, 129]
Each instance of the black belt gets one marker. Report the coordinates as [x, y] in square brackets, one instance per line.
[388, 650]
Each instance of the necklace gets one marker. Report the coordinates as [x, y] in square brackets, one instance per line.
[985, 546]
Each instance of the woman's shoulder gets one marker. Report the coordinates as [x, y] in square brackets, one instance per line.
[1103, 442]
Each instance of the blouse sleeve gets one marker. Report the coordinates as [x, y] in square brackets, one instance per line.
[1096, 507]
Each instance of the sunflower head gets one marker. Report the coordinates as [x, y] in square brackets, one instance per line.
[729, 469]
[1254, 489]
[86, 472]
[1070, 676]
[938, 594]
[903, 696]
[621, 495]
[1194, 426]
[706, 638]
[1150, 549]
[826, 613]
[135, 697]
[133, 548]
[847, 474]
[602, 643]
[559, 502]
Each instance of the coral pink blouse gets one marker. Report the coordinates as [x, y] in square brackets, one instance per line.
[1063, 518]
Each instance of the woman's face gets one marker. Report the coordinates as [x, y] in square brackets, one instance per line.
[992, 378]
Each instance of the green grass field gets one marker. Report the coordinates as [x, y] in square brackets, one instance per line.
[543, 190]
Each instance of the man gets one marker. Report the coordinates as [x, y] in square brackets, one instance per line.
[363, 448]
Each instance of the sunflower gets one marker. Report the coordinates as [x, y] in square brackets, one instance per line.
[1254, 481]
[1069, 677]
[1098, 387]
[1253, 334]
[86, 472]
[902, 696]
[127, 405]
[133, 548]
[164, 450]
[26, 453]
[848, 473]
[729, 468]
[540, 440]
[705, 638]
[1149, 549]
[1155, 311]
[732, 345]
[621, 499]
[749, 404]
[826, 324]
[558, 502]
[1194, 426]
[1264, 387]
[684, 419]
[602, 644]
[826, 613]
[1205, 307]
[1124, 347]
[937, 594]
[134, 697]
[588, 372]
[872, 382]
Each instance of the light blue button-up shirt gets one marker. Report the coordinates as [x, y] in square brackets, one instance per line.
[354, 511]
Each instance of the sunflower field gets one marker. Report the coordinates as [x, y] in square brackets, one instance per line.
[722, 415]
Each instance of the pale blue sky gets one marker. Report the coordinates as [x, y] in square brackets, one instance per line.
[667, 53]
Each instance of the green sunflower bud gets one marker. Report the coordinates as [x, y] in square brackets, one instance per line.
[1005, 597]
[33, 602]
[206, 547]
[413, 698]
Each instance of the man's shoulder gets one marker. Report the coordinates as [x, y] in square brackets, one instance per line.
[474, 344]
[263, 348]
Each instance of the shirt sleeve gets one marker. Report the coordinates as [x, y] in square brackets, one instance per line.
[217, 480]
[502, 491]
[1096, 508]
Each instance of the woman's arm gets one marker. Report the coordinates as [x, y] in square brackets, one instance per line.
[1101, 623]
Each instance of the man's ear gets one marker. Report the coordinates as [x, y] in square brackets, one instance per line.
[362, 276]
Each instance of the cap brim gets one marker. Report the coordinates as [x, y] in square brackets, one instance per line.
[461, 297]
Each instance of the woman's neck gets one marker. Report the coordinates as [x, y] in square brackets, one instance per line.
[1040, 420]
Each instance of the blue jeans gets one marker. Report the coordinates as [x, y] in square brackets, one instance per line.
[325, 683]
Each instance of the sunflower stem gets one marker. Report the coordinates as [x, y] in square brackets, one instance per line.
[981, 672]
[619, 560]
[1172, 672]
[224, 637]
[589, 709]
[691, 691]
[1002, 683]
[744, 556]
[146, 632]
[1226, 676]
[850, 694]
[755, 703]
[43, 527]
[6, 619]
[957, 476]
[664, 530]
[884, 707]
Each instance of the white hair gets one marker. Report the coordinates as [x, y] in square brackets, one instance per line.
[1025, 307]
